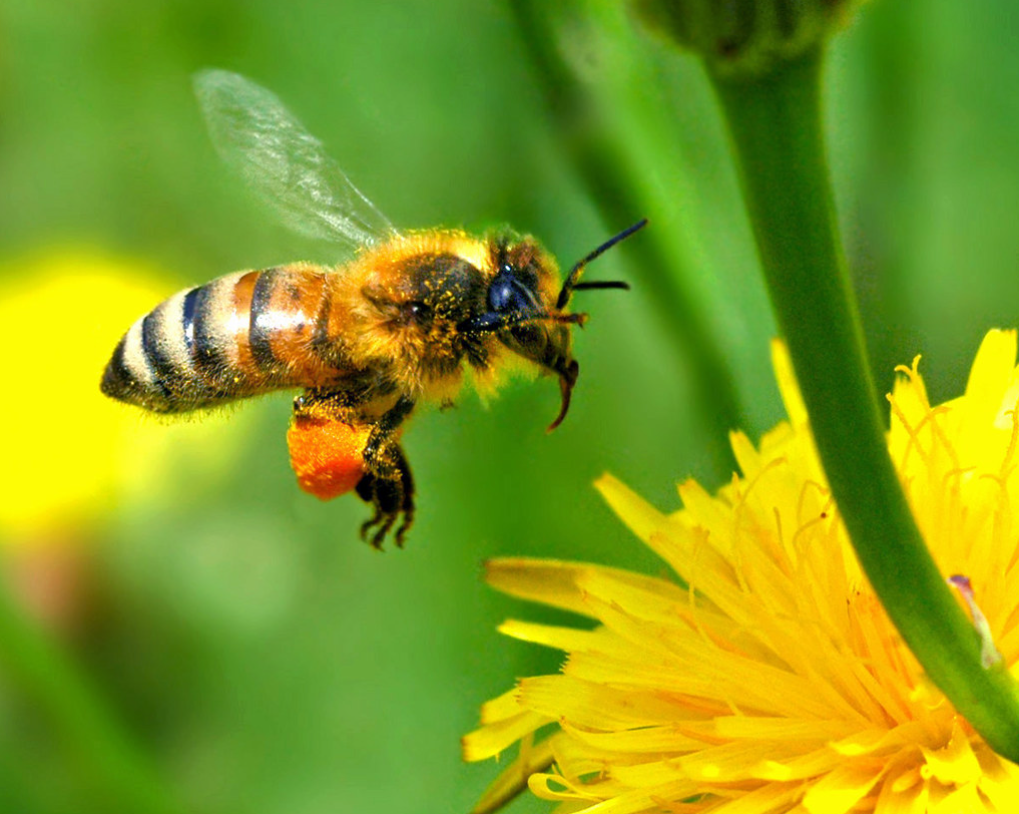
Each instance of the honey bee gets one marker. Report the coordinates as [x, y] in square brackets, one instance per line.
[396, 325]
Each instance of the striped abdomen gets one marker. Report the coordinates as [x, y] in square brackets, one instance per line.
[240, 335]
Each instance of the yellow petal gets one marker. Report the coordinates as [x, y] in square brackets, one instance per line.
[911, 799]
[759, 759]
[488, 741]
[955, 764]
[839, 790]
[595, 706]
[990, 375]
[768, 799]
[640, 516]
[551, 582]
[651, 739]
[562, 638]
[502, 707]
[513, 779]
[787, 384]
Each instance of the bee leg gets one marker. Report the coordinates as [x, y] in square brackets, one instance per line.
[387, 483]
[327, 404]
[407, 507]
[383, 430]
[391, 491]
[383, 493]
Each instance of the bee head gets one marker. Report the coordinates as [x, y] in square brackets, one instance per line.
[525, 308]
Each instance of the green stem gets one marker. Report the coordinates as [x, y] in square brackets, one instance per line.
[124, 781]
[776, 124]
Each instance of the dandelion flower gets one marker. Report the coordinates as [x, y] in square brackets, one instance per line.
[767, 677]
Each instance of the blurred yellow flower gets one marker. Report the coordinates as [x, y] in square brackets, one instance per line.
[66, 448]
[773, 681]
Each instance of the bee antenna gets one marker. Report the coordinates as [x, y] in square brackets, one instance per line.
[573, 283]
[601, 284]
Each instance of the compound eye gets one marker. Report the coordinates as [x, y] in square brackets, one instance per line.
[507, 294]
[502, 293]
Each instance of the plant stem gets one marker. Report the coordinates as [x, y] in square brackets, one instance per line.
[123, 779]
[776, 125]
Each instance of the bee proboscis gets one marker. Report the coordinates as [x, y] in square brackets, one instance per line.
[367, 340]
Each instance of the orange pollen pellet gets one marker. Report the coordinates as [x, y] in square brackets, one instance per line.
[327, 455]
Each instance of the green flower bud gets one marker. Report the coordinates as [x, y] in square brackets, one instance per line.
[745, 37]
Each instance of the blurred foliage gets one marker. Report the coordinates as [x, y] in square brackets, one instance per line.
[264, 657]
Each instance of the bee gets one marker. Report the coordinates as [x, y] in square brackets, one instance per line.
[396, 324]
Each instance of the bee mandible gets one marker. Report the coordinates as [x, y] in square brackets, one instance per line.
[396, 324]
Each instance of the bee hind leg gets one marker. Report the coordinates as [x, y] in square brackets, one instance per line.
[391, 492]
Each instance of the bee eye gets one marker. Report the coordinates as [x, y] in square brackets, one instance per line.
[508, 294]
[502, 293]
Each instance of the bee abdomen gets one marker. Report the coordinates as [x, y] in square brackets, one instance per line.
[159, 365]
[239, 335]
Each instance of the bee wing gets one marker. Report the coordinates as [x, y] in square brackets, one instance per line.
[284, 164]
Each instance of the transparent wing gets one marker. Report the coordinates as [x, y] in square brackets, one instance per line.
[283, 163]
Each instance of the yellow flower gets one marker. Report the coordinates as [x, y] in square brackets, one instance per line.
[67, 449]
[768, 677]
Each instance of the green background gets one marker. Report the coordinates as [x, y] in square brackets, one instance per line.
[266, 658]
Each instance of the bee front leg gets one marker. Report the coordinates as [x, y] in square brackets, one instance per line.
[387, 483]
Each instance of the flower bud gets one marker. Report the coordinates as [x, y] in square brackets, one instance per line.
[745, 37]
